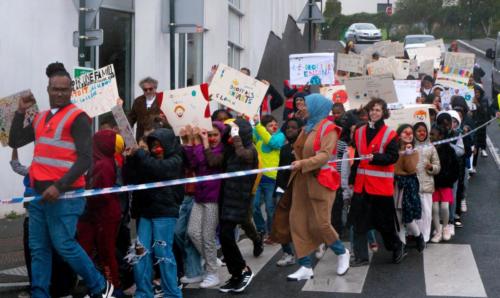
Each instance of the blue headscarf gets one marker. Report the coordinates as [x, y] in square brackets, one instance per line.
[318, 108]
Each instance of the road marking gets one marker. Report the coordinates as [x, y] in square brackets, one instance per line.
[256, 264]
[326, 278]
[17, 271]
[451, 270]
[14, 284]
[491, 38]
[472, 47]
[493, 151]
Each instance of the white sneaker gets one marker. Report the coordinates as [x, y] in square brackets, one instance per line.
[220, 263]
[210, 281]
[191, 280]
[130, 291]
[447, 233]
[106, 293]
[472, 170]
[303, 273]
[286, 260]
[451, 227]
[437, 237]
[463, 206]
[343, 262]
[320, 251]
[484, 153]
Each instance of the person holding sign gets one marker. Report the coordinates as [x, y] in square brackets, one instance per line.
[62, 155]
[372, 205]
[313, 183]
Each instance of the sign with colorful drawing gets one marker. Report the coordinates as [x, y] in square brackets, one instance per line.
[8, 108]
[237, 91]
[96, 92]
[312, 69]
[187, 106]
[337, 93]
[410, 114]
[459, 60]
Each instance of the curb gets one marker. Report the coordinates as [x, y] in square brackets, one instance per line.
[473, 48]
[493, 151]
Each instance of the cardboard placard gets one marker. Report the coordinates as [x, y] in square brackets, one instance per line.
[427, 67]
[187, 106]
[399, 68]
[337, 93]
[313, 69]
[427, 53]
[351, 63]
[237, 91]
[394, 49]
[407, 91]
[436, 43]
[459, 60]
[8, 108]
[124, 126]
[361, 89]
[410, 114]
[96, 92]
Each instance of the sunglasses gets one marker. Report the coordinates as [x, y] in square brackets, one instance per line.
[148, 89]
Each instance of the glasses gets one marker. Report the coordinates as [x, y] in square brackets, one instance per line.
[148, 89]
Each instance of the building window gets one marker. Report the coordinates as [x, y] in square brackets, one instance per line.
[233, 55]
[235, 3]
[234, 34]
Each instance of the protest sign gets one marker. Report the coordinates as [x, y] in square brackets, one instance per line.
[337, 93]
[361, 89]
[8, 108]
[459, 60]
[351, 63]
[381, 66]
[187, 106]
[124, 126]
[436, 43]
[96, 92]
[427, 53]
[414, 68]
[427, 67]
[407, 91]
[394, 49]
[399, 68]
[464, 91]
[452, 79]
[313, 69]
[237, 91]
[410, 114]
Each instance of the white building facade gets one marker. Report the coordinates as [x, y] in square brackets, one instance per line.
[350, 7]
[36, 33]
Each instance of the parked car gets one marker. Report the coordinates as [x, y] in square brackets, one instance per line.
[417, 41]
[363, 32]
[495, 70]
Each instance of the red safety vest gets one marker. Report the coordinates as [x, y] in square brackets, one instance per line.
[55, 151]
[327, 175]
[373, 179]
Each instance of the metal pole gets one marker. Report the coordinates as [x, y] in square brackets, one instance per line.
[310, 26]
[172, 44]
[81, 32]
[389, 21]
[470, 19]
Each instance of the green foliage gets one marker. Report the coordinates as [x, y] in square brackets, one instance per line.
[12, 215]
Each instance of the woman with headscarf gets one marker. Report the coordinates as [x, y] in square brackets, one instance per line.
[313, 183]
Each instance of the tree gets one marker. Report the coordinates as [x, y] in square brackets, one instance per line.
[333, 9]
[424, 12]
[483, 13]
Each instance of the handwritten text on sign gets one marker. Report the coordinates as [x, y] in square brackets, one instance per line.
[312, 69]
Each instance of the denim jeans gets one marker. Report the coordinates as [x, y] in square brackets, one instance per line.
[265, 190]
[156, 235]
[53, 225]
[337, 247]
[191, 257]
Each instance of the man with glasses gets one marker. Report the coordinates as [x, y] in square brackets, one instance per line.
[146, 107]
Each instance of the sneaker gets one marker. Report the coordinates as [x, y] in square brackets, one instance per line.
[303, 273]
[106, 293]
[458, 224]
[269, 241]
[437, 237]
[399, 254]
[191, 280]
[359, 262]
[157, 291]
[374, 247]
[24, 294]
[420, 243]
[130, 291]
[452, 229]
[210, 281]
[463, 206]
[220, 263]
[447, 233]
[343, 263]
[230, 285]
[320, 251]
[472, 171]
[484, 153]
[244, 281]
[258, 247]
[286, 260]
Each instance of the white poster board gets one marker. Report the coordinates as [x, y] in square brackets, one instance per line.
[313, 69]
[337, 93]
[410, 114]
[407, 91]
[399, 68]
[361, 89]
[459, 60]
[96, 92]
[452, 80]
[124, 126]
[427, 67]
[187, 106]
[436, 43]
[237, 91]
[351, 63]
[8, 108]
[427, 53]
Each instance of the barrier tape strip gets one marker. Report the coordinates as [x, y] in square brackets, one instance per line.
[94, 192]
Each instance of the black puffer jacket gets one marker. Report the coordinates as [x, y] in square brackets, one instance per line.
[144, 168]
[236, 194]
[449, 167]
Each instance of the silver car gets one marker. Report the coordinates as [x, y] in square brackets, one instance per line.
[363, 32]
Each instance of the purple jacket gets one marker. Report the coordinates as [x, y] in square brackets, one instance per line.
[207, 191]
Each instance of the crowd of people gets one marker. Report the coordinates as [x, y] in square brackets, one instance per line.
[350, 175]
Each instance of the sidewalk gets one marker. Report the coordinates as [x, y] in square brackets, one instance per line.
[13, 272]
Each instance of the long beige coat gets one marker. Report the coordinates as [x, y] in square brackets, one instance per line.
[312, 203]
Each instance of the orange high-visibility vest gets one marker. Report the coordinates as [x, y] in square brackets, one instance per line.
[55, 151]
[327, 175]
[373, 179]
